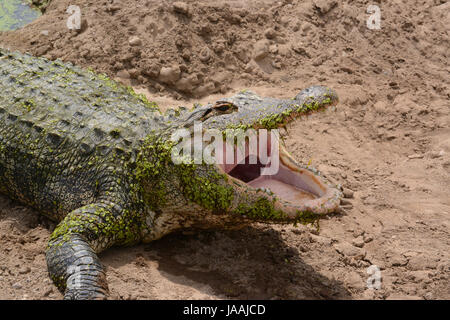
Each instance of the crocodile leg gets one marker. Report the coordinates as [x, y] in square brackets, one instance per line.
[72, 251]
[75, 269]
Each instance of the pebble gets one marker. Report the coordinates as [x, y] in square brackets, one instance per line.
[358, 242]
[48, 292]
[421, 262]
[346, 202]
[17, 286]
[205, 55]
[273, 49]
[368, 238]
[169, 74]
[321, 240]
[135, 41]
[348, 250]
[398, 260]
[354, 280]
[24, 270]
[325, 5]
[357, 233]
[186, 84]
[270, 33]
[380, 107]
[181, 7]
[416, 156]
[124, 74]
[436, 154]
[369, 294]
[428, 296]
[202, 90]
[348, 193]
[261, 49]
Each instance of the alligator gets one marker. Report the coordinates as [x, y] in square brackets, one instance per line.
[96, 158]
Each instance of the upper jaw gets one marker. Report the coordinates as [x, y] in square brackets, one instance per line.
[270, 113]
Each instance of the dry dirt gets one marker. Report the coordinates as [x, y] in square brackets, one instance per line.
[388, 141]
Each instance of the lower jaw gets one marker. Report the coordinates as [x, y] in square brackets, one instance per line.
[296, 189]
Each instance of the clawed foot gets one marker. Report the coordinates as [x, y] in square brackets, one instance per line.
[76, 294]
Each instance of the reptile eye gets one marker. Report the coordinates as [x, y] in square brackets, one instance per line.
[225, 107]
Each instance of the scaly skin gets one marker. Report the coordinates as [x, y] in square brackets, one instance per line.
[95, 157]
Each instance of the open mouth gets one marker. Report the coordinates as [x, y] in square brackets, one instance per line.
[296, 188]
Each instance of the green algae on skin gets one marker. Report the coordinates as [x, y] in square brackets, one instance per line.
[154, 166]
[14, 14]
[39, 4]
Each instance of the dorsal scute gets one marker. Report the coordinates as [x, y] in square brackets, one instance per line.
[67, 101]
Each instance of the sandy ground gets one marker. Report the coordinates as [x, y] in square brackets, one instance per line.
[388, 142]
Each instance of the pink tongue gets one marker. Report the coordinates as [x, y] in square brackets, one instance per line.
[285, 191]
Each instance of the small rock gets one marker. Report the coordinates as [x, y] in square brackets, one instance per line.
[284, 21]
[325, 6]
[369, 294]
[416, 156]
[357, 233]
[187, 84]
[380, 107]
[17, 286]
[270, 33]
[354, 280]
[124, 74]
[205, 55]
[367, 238]
[261, 49]
[436, 154]
[273, 49]
[251, 67]
[398, 260]
[348, 250]
[152, 71]
[321, 240]
[48, 292]
[134, 73]
[420, 276]
[358, 242]
[421, 262]
[24, 270]
[181, 7]
[346, 202]
[428, 296]
[205, 89]
[113, 8]
[348, 193]
[169, 74]
[135, 41]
